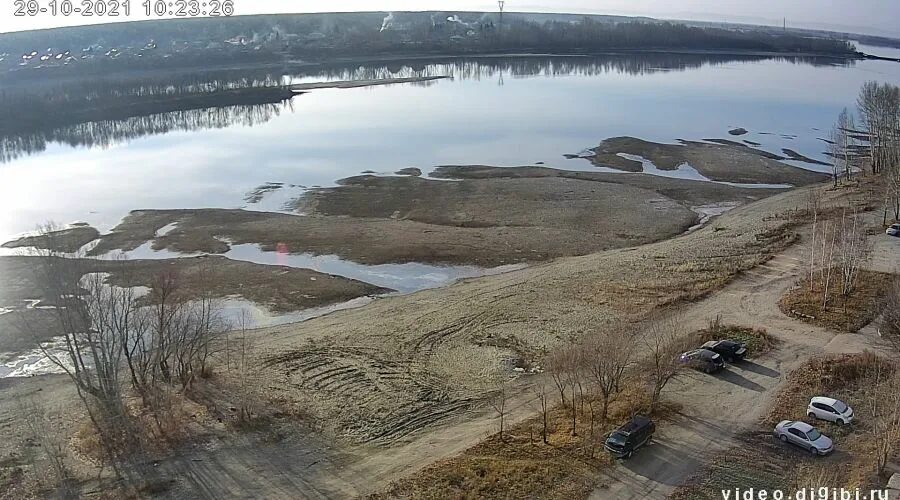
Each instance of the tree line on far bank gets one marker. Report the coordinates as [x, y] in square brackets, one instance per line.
[274, 39]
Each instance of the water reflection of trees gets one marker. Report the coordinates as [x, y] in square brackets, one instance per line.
[109, 132]
[477, 68]
[106, 112]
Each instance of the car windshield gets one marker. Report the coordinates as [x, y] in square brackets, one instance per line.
[840, 407]
[617, 439]
[814, 434]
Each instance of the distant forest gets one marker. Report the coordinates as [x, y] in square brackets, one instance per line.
[172, 44]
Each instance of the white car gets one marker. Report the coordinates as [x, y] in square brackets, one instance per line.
[804, 436]
[830, 409]
[894, 230]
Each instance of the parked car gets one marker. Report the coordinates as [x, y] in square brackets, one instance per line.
[894, 230]
[703, 360]
[731, 350]
[623, 442]
[830, 409]
[804, 436]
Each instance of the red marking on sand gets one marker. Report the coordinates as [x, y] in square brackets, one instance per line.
[282, 252]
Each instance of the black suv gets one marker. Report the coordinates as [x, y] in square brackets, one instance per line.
[702, 359]
[623, 442]
[731, 350]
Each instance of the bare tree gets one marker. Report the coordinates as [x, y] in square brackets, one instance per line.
[889, 327]
[892, 192]
[558, 363]
[52, 445]
[94, 320]
[837, 148]
[852, 250]
[112, 332]
[848, 128]
[181, 332]
[246, 385]
[544, 400]
[829, 239]
[575, 372]
[884, 407]
[664, 340]
[498, 403]
[879, 107]
[609, 355]
[840, 145]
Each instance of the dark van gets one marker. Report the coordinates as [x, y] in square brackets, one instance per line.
[627, 439]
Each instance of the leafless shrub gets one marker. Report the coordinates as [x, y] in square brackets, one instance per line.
[883, 401]
[498, 402]
[543, 399]
[664, 340]
[558, 365]
[246, 385]
[890, 320]
[113, 335]
[609, 354]
[51, 442]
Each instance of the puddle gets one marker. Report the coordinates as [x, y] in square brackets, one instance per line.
[685, 171]
[405, 278]
[708, 212]
[279, 199]
[33, 363]
[234, 309]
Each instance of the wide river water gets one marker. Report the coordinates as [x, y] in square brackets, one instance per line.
[494, 111]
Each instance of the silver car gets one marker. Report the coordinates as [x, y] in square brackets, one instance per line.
[805, 436]
[894, 230]
[830, 409]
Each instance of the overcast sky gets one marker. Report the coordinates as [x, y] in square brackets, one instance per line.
[870, 16]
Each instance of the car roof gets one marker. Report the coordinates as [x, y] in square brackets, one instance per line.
[800, 426]
[634, 424]
[824, 400]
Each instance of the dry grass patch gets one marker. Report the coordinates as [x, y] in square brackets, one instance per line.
[758, 340]
[521, 465]
[842, 313]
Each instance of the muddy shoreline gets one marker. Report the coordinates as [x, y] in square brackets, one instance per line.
[719, 160]
[487, 217]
